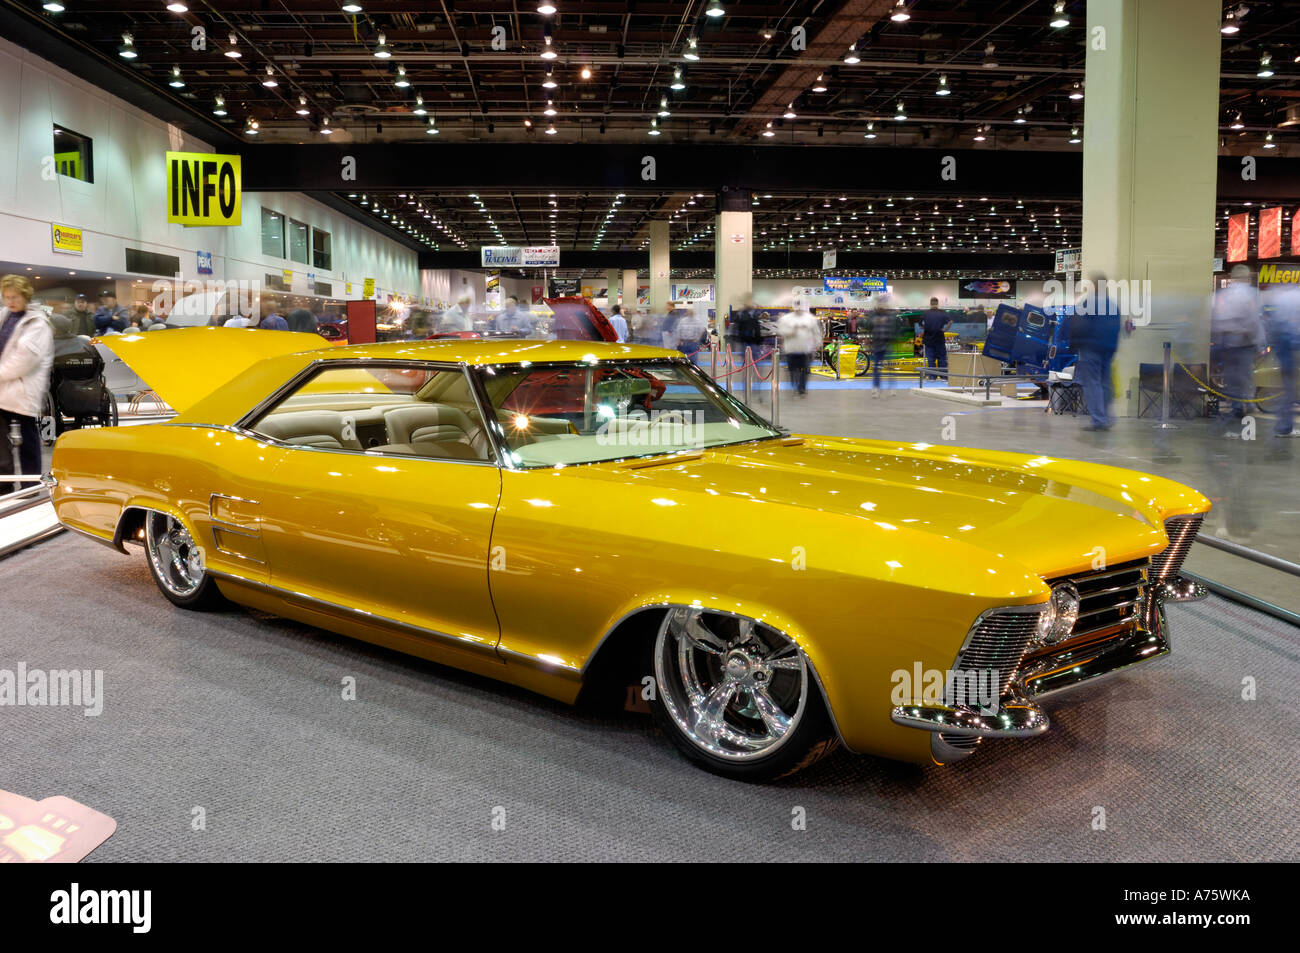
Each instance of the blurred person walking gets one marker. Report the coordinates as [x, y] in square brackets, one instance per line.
[302, 320]
[747, 328]
[689, 332]
[1282, 328]
[801, 337]
[933, 325]
[1236, 335]
[457, 318]
[111, 316]
[882, 335]
[1094, 337]
[619, 322]
[26, 356]
[511, 320]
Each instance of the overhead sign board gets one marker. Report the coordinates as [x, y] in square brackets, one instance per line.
[1068, 260]
[828, 259]
[855, 287]
[515, 256]
[203, 188]
[65, 239]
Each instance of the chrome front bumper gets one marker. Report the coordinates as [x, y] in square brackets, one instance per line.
[1019, 714]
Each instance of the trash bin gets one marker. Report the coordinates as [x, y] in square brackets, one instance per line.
[848, 360]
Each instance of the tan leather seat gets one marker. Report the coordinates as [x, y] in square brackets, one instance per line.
[418, 424]
[309, 428]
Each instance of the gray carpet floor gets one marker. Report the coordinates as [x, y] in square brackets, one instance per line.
[240, 715]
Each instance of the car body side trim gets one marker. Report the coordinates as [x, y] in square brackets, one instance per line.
[361, 615]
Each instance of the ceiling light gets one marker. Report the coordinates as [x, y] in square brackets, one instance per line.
[233, 51]
[768, 131]
[990, 57]
[663, 106]
[1268, 142]
[302, 109]
[1076, 91]
[251, 127]
[1020, 116]
[1074, 136]
[900, 14]
[1265, 66]
[851, 57]
[381, 48]
[325, 129]
[550, 129]
[176, 81]
[677, 80]
[900, 114]
[401, 82]
[269, 82]
[1237, 123]
[550, 82]
[219, 107]
[690, 51]
[548, 53]
[419, 109]
[433, 127]
[871, 131]
[790, 113]
[127, 49]
[820, 85]
[550, 109]
[586, 72]
[53, 7]
[174, 7]
[528, 124]
[979, 134]
[1229, 23]
[1059, 17]
[545, 8]
[943, 89]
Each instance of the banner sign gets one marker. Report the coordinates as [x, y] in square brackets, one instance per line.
[564, 287]
[65, 239]
[368, 288]
[203, 188]
[1068, 260]
[1238, 236]
[204, 262]
[514, 256]
[986, 288]
[1274, 275]
[854, 287]
[828, 260]
[1270, 232]
[1295, 233]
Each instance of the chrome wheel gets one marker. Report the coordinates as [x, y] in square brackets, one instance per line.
[177, 561]
[736, 688]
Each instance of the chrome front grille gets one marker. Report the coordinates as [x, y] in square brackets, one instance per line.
[1108, 598]
[1181, 531]
[998, 641]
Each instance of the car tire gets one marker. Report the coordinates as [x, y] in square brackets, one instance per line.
[736, 696]
[176, 564]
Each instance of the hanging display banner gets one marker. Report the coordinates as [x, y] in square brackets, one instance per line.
[203, 188]
[65, 239]
[854, 287]
[1068, 260]
[828, 260]
[1295, 233]
[1238, 236]
[986, 288]
[515, 256]
[1270, 232]
[287, 275]
[564, 287]
[368, 288]
[493, 285]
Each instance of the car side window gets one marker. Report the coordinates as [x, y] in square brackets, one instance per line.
[399, 409]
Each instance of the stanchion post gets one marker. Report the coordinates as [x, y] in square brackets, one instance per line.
[776, 386]
[1164, 391]
[748, 358]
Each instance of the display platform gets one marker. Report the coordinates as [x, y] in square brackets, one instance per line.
[239, 719]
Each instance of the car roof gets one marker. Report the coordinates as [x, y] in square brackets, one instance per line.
[495, 351]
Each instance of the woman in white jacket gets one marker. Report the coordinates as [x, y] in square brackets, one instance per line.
[26, 355]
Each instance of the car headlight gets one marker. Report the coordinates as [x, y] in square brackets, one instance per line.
[1064, 612]
[1046, 620]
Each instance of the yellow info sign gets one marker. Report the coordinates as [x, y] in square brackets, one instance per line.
[203, 188]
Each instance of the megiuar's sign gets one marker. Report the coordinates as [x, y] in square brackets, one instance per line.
[1278, 275]
[203, 188]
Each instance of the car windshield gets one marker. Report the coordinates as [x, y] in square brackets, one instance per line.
[560, 414]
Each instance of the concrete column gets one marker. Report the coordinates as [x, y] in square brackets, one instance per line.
[611, 288]
[659, 267]
[733, 241]
[1150, 152]
[629, 288]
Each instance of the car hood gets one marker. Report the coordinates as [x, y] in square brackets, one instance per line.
[1055, 516]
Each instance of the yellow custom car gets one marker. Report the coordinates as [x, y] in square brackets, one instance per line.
[578, 517]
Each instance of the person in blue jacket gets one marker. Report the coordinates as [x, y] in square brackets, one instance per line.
[1094, 337]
